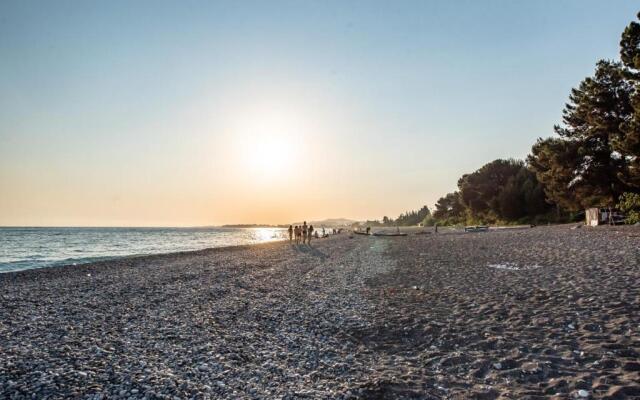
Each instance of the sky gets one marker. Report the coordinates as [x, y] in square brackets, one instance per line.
[192, 113]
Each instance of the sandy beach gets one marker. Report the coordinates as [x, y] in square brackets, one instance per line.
[529, 313]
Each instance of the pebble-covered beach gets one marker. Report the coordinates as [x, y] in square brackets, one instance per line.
[526, 313]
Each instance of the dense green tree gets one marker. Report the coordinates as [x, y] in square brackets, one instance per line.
[522, 197]
[449, 209]
[582, 168]
[554, 161]
[630, 45]
[628, 145]
[630, 205]
[502, 190]
[480, 190]
[411, 218]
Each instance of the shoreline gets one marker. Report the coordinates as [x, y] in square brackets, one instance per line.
[99, 259]
[108, 259]
[411, 230]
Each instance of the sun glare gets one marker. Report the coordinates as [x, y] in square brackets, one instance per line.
[266, 234]
[269, 155]
[269, 143]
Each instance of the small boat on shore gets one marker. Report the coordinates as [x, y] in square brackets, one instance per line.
[389, 234]
[361, 233]
[476, 228]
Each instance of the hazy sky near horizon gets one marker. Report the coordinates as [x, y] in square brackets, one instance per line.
[182, 113]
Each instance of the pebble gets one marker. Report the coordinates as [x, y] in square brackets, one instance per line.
[203, 367]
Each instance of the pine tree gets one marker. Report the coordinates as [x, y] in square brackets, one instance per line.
[582, 168]
[628, 145]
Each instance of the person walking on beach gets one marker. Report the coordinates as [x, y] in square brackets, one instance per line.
[297, 234]
[290, 233]
[309, 234]
[304, 232]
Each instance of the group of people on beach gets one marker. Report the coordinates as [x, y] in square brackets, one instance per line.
[302, 233]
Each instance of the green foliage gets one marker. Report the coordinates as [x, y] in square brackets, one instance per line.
[479, 190]
[596, 157]
[628, 144]
[429, 220]
[411, 218]
[630, 45]
[582, 167]
[629, 204]
[553, 161]
[502, 190]
[450, 210]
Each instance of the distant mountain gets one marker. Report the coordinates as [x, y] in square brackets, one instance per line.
[329, 222]
[251, 226]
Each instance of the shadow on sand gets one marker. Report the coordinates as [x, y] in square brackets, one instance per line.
[308, 249]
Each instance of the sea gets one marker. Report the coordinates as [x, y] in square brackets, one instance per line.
[28, 248]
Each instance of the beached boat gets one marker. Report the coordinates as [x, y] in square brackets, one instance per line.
[389, 234]
[476, 228]
[361, 233]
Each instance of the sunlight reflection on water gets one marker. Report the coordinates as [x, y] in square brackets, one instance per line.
[26, 248]
[268, 234]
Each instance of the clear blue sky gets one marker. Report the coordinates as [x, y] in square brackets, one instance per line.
[121, 112]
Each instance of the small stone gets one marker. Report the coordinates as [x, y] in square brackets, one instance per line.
[497, 365]
[530, 367]
[583, 393]
[203, 367]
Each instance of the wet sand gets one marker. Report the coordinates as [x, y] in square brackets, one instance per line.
[530, 313]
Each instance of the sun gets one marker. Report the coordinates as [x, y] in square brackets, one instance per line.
[270, 155]
[269, 144]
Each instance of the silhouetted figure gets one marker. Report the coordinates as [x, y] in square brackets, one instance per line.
[368, 230]
[290, 232]
[304, 232]
[309, 234]
[297, 234]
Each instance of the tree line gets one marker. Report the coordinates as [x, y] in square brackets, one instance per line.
[593, 160]
[409, 218]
